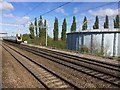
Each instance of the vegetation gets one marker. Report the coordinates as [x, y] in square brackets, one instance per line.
[26, 37]
[40, 24]
[96, 24]
[42, 34]
[64, 28]
[116, 22]
[84, 49]
[84, 27]
[36, 26]
[106, 23]
[60, 43]
[55, 30]
[31, 29]
[73, 26]
[56, 44]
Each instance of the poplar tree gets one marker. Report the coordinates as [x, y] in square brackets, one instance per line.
[43, 33]
[73, 26]
[45, 27]
[35, 23]
[64, 28]
[96, 24]
[31, 29]
[106, 23]
[40, 26]
[55, 30]
[116, 22]
[84, 27]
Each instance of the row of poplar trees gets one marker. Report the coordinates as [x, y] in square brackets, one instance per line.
[106, 23]
[38, 26]
[56, 30]
[41, 27]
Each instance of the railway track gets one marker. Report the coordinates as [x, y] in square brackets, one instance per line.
[112, 78]
[82, 59]
[46, 77]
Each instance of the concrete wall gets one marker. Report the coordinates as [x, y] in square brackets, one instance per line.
[107, 42]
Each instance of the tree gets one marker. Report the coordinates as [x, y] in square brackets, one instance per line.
[84, 26]
[43, 34]
[116, 22]
[106, 23]
[45, 25]
[96, 24]
[64, 28]
[31, 29]
[73, 26]
[40, 24]
[44, 29]
[55, 30]
[35, 23]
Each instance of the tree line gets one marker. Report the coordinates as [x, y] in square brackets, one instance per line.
[106, 23]
[38, 28]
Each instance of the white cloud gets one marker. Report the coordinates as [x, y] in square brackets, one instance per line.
[19, 20]
[6, 6]
[22, 20]
[75, 10]
[101, 12]
[9, 15]
[60, 10]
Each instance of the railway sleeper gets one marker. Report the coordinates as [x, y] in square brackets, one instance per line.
[117, 82]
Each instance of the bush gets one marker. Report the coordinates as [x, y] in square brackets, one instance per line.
[57, 44]
[26, 37]
[41, 41]
[84, 49]
[61, 44]
[98, 52]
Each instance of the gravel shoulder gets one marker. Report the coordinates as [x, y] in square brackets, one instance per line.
[16, 76]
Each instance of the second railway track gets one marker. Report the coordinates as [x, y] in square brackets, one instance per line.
[77, 58]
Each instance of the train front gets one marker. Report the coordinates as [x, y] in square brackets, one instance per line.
[18, 38]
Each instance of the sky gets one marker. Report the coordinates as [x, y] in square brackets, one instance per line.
[16, 16]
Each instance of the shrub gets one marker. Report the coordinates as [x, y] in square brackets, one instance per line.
[84, 49]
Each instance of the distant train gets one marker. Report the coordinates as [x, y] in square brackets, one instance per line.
[15, 39]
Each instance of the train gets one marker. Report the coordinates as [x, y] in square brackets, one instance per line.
[15, 39]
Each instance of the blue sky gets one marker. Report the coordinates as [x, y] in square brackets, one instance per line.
[22, 13]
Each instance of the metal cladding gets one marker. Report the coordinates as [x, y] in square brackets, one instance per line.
[103, 41]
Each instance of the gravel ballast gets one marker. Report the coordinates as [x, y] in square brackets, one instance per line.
[84, 81]
[16, 76]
